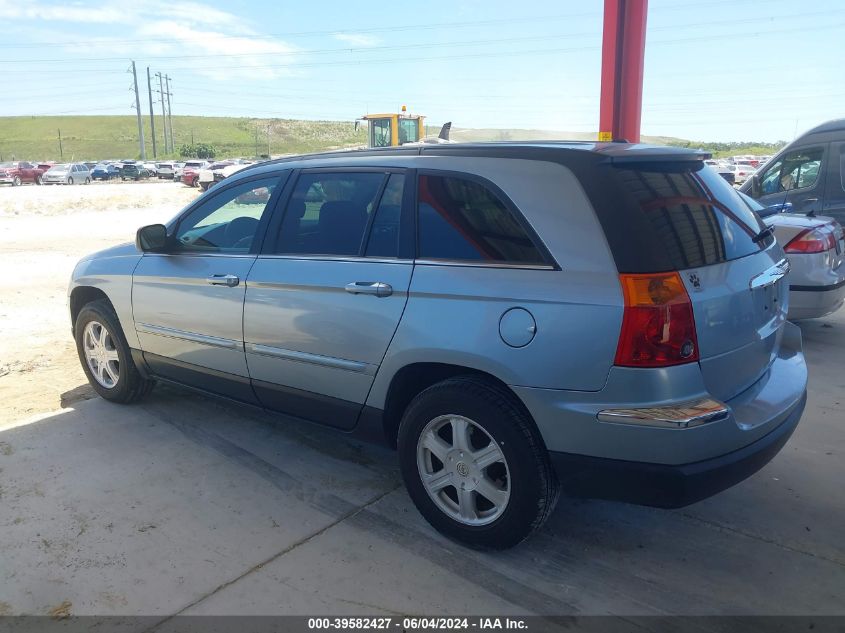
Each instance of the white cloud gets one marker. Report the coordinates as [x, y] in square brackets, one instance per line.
[150, 28]
[64, 13]
[358, 39]
[250, 55]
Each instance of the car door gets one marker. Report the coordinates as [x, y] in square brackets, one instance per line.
[327, 292]
[187, 302]
[798, 177]
[834, 197]
[27, 172]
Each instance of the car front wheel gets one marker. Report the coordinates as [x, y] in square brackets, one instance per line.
[105, 356]
[474, 463]
[70, 181]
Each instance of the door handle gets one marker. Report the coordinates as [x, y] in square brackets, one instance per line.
[377, 288]
[810, 200]
[223, 280]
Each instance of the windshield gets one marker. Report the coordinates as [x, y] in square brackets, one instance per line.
[61, 167]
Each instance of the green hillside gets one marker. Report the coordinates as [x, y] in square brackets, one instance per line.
[98, 137]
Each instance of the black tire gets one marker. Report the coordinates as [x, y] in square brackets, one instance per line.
[70, 180]
[130, 385]
[87, 181]
[38, 180]
[16, 181]
[195, 182]
[533, 486]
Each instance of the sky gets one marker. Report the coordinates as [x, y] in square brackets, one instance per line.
[715, 70]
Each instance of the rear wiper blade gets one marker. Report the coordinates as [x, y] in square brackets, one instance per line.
[763, 234]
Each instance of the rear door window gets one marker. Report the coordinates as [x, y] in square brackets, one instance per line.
[686, 216]
[464, 220]
[329, 212]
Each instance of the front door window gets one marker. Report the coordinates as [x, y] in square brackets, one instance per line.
[227, 222]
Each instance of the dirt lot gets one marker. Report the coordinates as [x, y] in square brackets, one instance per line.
[183, 504]
[43, 233]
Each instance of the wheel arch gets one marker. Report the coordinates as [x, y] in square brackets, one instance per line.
[414, 378]
[80, 297]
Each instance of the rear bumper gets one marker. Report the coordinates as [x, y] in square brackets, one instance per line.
[670, 486]
[812, 302]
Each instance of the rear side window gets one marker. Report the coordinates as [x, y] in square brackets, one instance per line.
[684, 216]
[463, 220]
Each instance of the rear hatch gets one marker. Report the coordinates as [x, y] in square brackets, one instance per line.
[680, 216]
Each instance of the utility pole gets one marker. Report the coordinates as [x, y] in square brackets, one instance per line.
[268, 140]
[169, 111]
[61, 153]
[163, 112]
[138, 113]
[152, 118]
[256, 140]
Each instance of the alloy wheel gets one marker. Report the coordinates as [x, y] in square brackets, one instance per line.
[101, 354]
[463, 470]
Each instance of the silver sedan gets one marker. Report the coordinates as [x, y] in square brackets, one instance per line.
[815, 247]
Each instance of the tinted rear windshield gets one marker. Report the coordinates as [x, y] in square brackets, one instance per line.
[675, 215]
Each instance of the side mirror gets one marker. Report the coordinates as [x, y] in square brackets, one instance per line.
[755, 186]
[151, 238]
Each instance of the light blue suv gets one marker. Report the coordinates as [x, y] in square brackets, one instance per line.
[517, 319]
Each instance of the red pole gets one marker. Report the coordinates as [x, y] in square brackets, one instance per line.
[622, 54]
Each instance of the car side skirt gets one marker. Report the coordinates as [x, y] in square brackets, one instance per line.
[363, 423]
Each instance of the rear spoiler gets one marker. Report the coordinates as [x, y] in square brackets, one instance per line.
[656, 154]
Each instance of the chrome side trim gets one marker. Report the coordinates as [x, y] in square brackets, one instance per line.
[770, 276]
[313, 359]
[684, 415]
[339, 258]
[214, 341]
[465, 264]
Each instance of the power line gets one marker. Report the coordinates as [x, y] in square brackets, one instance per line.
[383, 29]
[463, 43]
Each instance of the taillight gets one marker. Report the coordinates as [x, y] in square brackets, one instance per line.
[817, 240]
[658, 328]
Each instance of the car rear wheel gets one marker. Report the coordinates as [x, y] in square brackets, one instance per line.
[105, 356]
[474, 463]
[87, 181]
[16, 181]
[38, 180]
[70, 180]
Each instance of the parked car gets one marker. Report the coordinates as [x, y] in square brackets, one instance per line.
[89, 165]
[177, 171]
[16, 173]
[67, 174]
[133, 171]
[103, 171]
[151, 168]
[723, 170]
[191, 170]
[629, 344]
[807, 173]
[206, 176]
[164, 170]
[741, 172]
[815, 247]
